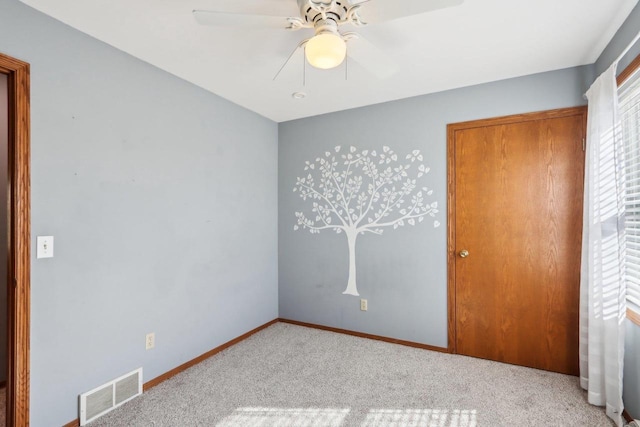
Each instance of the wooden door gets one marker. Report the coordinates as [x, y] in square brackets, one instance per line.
[515, 188]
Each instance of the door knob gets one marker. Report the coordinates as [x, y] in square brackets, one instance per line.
[464, 253]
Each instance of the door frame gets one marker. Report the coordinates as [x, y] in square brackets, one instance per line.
[19, 260]
[451, 194]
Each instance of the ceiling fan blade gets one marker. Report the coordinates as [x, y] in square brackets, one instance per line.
[370, 57]
[375, 11]
[225, 19]
[284, 8]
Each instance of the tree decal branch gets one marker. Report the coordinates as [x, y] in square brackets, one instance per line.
[363, 192]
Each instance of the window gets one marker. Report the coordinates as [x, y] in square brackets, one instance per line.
[629, 102]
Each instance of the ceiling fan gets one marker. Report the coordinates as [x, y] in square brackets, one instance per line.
[329, 46]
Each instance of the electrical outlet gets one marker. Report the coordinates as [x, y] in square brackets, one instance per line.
[363, 305]
[150, 341]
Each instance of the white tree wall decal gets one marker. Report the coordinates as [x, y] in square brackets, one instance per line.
[362, 192]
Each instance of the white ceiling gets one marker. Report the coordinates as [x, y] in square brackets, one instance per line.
[476, 42]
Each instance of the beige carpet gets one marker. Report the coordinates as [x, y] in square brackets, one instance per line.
[290, 376]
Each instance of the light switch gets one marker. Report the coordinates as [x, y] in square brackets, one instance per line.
[45, 247]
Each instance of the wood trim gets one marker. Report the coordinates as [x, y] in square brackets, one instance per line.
[451, 239]
[633, 316]
[626, 416]
[519, 118]
[19, 295]
[175, 371]
[626, 73]
[369, 336]
[157, 380]
[452, 128]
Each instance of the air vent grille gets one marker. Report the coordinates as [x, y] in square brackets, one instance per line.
[99, 402]
[102, 399]
[127, 388]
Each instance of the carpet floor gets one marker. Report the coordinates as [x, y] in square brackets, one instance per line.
[290, 376]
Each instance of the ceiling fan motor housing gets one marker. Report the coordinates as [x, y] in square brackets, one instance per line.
[324, 26]
[327, 15]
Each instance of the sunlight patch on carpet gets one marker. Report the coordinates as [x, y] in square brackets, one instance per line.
[285, 417]
[335, 417]
[420, 418]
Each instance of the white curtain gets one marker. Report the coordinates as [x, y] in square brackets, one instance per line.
[602, 287]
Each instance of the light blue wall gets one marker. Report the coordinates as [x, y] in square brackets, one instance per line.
[402, 273]
[162, 200]
[150, 186]
[621, 40]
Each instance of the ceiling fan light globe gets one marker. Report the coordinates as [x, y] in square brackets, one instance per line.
[326, 51]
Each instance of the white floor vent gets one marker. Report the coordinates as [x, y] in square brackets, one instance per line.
[100, 400]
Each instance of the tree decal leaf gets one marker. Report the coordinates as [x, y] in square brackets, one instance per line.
[363, 192]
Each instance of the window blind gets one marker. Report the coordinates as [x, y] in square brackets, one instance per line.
[629, 103]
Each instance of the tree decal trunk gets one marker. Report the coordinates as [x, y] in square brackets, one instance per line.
[362, 192]
[352, 288]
